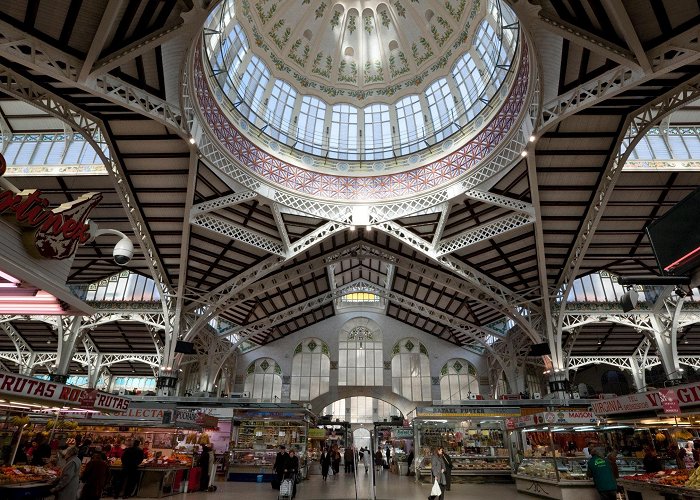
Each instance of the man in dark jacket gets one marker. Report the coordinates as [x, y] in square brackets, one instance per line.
[280, 466]
[131, 459]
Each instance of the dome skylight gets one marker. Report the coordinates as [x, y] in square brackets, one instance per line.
[342, 82]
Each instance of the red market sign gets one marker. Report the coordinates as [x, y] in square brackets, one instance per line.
[669, 401]
[687, 395]
[52, 393]
[58, 231]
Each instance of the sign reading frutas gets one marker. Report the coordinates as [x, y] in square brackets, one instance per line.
[53, 393]
[50, 233]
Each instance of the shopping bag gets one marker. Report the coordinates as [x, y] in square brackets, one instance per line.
[330, 471]
[436, 491]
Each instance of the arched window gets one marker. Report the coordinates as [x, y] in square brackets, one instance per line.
[458, 379]
[360, 360]
[311, 368]
[263, 380]
[361, 410]
[410, 370]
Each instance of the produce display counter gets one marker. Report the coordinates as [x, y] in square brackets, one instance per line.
[666, 485]
[157, 482]
[639, 490]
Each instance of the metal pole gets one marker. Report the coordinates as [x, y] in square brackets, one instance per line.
[16, 447]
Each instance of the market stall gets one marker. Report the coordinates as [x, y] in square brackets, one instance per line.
[256, 438]
[473, 437]
[553, 465]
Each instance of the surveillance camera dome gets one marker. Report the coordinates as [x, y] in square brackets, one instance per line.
[123, 251]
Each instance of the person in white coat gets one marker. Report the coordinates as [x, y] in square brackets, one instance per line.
[67, 486]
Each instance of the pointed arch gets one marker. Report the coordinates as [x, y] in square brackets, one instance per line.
[410, 370]
[311, 366]
[263, 381]
[458, 380]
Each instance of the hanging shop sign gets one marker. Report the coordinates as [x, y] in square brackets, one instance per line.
[14, 386]
[403, 433]
[317, 434]
[669, 401]
[49, 233]
[465, 412]
[687, 396]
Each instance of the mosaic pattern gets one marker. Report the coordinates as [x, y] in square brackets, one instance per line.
[370, 188]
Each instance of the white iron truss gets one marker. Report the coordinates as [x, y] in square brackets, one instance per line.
[636, 127]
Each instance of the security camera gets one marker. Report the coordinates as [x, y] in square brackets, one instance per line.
[123, 251]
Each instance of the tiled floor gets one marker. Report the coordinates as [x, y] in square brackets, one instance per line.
[389, 486]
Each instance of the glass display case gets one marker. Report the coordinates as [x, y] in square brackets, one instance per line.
[562, 478]
[256, 440]
[477, 448]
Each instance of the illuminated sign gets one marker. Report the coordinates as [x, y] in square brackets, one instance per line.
[52, 233]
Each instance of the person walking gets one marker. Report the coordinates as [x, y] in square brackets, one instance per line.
[280, 465]
[293, 470]
[409, 461]
[66, 488]
[437, 468]
[388, 456]
[131, 459]
[379, 460]
[365, 458]
[448, 470]
[348, 459]
[95, 476]
[205, 461]
[325, 461]
[601, 472]
[335, 460]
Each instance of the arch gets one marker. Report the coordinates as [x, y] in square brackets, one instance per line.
[404, 405]
[410, 370]
[458, 380]
[263, 380]
[311, 366]
[361, 410]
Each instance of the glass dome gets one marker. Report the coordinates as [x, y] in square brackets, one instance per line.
[361, 81]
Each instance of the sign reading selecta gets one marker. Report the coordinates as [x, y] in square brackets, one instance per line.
[57, 232]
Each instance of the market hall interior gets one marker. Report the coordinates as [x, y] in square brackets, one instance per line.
[359, 227]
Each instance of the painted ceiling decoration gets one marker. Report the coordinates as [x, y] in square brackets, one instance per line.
[360, 49]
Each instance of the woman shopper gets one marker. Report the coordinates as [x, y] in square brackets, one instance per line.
[438, 468]
[67, 486]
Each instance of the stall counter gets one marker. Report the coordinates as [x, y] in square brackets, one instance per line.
[157, 482]
[639, 490]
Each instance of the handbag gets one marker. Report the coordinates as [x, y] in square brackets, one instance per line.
[436, 491]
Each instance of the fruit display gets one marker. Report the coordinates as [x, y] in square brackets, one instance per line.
[27, 474]
[694, 479]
